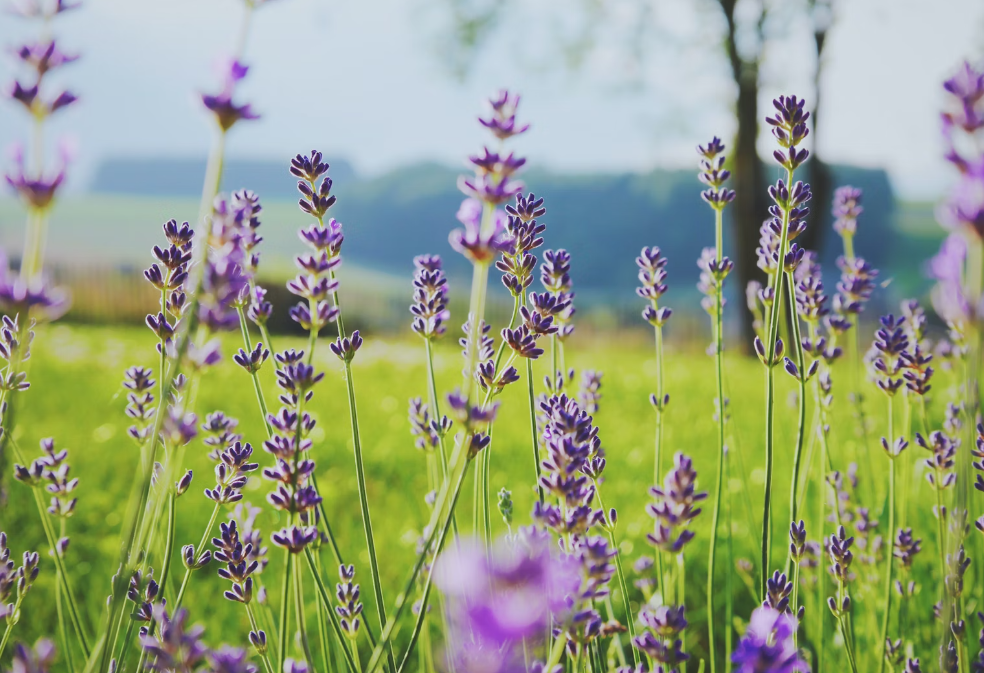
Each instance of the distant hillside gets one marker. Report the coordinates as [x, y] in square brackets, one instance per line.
[183, 177]
[602, 219]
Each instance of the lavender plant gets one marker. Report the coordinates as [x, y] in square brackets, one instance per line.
[715, 268]
[781, 257]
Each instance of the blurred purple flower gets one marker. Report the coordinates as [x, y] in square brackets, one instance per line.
[768, 645]
[507, 595]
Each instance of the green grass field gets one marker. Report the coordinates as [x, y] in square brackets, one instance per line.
[76, 398]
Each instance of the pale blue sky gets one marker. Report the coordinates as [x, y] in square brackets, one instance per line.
[364, 80]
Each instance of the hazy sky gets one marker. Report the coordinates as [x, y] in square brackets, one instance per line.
[365, 80]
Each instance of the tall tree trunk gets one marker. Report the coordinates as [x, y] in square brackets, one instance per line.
[821, 178]
[751, 205]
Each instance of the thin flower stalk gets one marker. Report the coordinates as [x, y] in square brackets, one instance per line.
[714, 270]
[652, 276]
[788, 220]
[891, 343]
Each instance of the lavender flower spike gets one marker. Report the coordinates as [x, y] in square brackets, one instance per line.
[768, 645]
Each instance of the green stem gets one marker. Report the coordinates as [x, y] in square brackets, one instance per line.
[480, 277]
[364, 505]
[285, 607]
[658, 447]
[533, 430]
[623, 587]
[556, 652]
[329, 608]
[125, 647]
[682, 601]
[63, 628]
[299, 616]
[486, 492]
[260, 399]
[198, 551]
[168, 541]
[729, 607]
[264, 657]
[6, 637]
[847, 645]
[716, 516]
[891, 537]
[770, 384]
[434, 404]
[403, 597]
[801, 417]
[422, 614]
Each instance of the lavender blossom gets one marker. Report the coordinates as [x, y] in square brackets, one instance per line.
[652, 285]
[51, 470]
[15, 580]
[143, 592]
[349, 606]
[232, 473]
[890, 344]
[177, 646]
[316, 284]
[499, 599]
[37, 659]
[712, 275]
[855, 287]
[940, 464]
[962, 126]
[430, 296]
[555, 274]
[422, 427]
[714, 175]
[660, 640]
[524, 234]
[590, 394]
[225, 111]
[484, 233]
[569, 441]
[289, 445]
[675, 506]
[768, 644]
[239, 564]
[846, 209]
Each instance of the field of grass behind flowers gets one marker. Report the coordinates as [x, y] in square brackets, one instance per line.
[76, 397]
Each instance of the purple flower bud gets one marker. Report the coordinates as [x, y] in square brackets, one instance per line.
[183, 483]
[346, 348]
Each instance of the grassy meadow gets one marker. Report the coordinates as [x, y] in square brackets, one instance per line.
[76, 397]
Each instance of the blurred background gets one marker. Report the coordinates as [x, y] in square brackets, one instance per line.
[619, 93]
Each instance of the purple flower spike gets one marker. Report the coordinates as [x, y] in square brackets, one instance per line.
[294, 539]
[768, 644]
[430, 296]
[226, 112]
[846, 209]
[675, 506]
[714, 175]
[177, 646]
[349, 606]
[37, 659]
[483, 236]
[504, 597]
[230, 660]
[502, 121]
